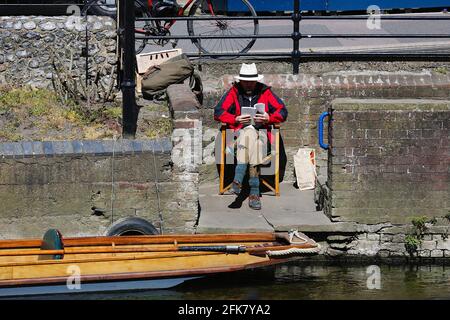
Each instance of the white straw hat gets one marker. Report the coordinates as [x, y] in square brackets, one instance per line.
[249, 73]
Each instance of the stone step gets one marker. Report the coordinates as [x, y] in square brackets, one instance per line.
[294, 209]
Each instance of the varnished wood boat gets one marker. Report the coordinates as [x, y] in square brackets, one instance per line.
[156, 261]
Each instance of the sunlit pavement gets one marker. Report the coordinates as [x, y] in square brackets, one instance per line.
[293, 209]
[311, 27]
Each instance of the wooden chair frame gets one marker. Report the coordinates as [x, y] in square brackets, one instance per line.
[276, 188]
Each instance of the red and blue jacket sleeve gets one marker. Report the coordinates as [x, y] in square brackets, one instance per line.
[226, 108]
[277, 109]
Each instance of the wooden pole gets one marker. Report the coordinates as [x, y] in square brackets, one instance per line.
[242, 249]
[222, 160]
[139, 240]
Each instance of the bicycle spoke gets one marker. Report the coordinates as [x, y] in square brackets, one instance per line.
[212, 40]
[227, 43]
[240, 33]
[216, 42]
[241, 40]
[243, 24]
[234, 42]
[244, 41]
[231, 42]
[206, 27]
[207, 33]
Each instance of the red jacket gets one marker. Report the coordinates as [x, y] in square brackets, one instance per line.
[229, 106]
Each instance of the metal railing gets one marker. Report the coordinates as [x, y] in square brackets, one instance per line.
[296, 54]
[128, 38]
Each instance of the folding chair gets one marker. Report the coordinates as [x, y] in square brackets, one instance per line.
[273, 156]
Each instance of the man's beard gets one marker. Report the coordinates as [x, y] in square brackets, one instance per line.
[249, 92]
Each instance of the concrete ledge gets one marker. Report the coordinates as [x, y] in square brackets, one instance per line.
[43, 149]
[345, 80]
[390, 104]
[182, 102]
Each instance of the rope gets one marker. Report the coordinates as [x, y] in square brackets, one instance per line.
[157, 192]
[112, 179]
[294, 233]
[293, 251]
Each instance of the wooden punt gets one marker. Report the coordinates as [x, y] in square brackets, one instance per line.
[157, 261]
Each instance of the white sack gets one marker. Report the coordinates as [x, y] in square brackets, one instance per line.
[305, 168]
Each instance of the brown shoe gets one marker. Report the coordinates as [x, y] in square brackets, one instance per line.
[254, 202]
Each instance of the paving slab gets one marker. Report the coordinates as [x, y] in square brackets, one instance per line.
[293, 209]
[216, 217]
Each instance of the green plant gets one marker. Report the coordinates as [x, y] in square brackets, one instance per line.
[159, 128]
[419, 224]
[445, 234]
[38, 110]
[6, 135]
[447, 216]
[441, 70]
[113, 112]
[412, 242]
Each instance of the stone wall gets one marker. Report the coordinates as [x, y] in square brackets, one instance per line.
[82, 187]
[308, 95]
[389, 160]
[31, 45]
[352, 237]
[389, 242]
[186, 152]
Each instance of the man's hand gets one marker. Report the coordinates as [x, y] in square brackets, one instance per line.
[244, 119]
[262, 118]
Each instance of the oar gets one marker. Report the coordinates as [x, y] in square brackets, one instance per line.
[153, 239]
[232, 249]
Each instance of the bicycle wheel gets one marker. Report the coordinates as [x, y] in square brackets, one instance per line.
[223, 28]
[109, 8]
[142, 28]
[102, 7]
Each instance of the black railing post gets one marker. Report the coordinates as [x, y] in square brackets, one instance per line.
[296, 36]
[128, 84]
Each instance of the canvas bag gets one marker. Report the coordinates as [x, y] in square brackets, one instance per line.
[305, 168]
[157, 78]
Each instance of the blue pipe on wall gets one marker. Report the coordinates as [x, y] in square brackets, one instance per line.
[321, 119]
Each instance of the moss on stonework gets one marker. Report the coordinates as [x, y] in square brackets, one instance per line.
[441, 70]
[161, 127]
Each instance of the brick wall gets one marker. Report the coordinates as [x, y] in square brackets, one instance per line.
[186, 152]
[308, 95]
[82, 187]
[389, 160]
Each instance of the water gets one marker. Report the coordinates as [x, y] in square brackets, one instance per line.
[303, 281]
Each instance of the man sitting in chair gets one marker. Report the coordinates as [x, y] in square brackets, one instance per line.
[245, 93]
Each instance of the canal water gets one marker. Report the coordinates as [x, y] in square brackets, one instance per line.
[303, 281]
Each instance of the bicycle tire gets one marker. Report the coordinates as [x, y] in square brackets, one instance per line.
[96, 8]
[140, 11]
[202, 48]
[144, 13]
